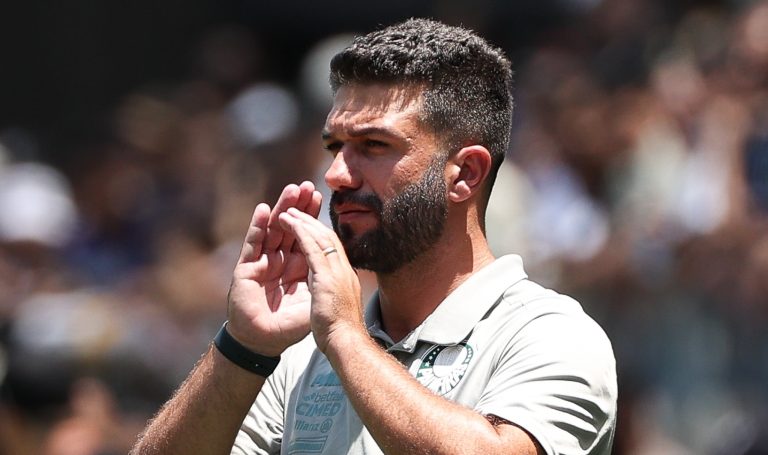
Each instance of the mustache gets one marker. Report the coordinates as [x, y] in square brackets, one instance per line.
[367, 200]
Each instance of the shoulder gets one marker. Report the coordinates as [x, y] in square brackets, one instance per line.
[543, 307]
[553, 329]
[531, 324]
[554, 373]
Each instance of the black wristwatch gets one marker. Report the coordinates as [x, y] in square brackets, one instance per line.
[242, 356]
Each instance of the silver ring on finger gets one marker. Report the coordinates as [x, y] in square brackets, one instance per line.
[329, 250]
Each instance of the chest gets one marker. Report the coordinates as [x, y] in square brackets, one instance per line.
[319, 417]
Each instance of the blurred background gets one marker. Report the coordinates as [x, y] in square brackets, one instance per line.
[136, 138]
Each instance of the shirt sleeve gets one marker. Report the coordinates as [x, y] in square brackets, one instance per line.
[556, 379]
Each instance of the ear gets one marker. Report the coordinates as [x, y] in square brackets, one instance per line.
[467, 170]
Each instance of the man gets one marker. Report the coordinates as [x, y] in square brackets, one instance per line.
[458, 353]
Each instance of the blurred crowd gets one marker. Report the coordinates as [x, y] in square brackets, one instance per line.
[637, 182]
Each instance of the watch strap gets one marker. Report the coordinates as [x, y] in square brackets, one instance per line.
[242, 356]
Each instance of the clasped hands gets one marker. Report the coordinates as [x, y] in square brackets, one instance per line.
[287, 281]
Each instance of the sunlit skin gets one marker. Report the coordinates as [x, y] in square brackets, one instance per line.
[380, 147]
[374, 134]
[285, 286]
[271, 265]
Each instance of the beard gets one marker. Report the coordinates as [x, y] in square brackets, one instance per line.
[409, 224]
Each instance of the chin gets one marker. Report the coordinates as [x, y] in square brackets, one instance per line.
[350, 235]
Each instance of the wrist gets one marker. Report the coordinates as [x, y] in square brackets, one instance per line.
[242, 356]
[251, 338]
[345, 336]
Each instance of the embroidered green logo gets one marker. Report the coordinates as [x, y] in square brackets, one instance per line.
[442, 367]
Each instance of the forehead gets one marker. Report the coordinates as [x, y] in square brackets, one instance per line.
[375, 105]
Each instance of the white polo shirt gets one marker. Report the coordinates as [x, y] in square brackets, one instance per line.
[499, 344]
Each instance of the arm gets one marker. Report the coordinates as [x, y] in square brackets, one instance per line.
[205, 413]
[421, 422]
[268, 310]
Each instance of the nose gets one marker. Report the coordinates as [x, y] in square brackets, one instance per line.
[341, 174]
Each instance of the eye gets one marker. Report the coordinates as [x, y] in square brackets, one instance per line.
[375, 143]
[332, 147]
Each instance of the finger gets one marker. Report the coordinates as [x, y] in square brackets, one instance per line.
[302, 202]
[324, 237]
[305, 197]
[312, 239]
[254, 238]
[309, 239]
[288, 198]
[333, 239]
[313, 209]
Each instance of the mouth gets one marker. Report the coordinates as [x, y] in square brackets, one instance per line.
[347, 213]
[357, 211]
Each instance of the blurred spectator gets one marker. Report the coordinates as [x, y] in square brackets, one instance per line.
[637, 180]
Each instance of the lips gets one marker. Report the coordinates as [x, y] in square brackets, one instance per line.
[351, 211]
[355, 208]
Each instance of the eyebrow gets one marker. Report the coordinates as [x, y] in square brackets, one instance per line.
[364, 131]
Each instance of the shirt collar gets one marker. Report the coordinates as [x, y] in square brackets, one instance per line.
[458, 314]
[372, 318]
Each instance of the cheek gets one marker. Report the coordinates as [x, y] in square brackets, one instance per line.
[405, 172]
[385, 179]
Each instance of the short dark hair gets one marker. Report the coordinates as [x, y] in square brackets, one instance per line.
[467, 82]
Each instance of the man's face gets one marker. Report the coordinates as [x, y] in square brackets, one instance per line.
[389, 195]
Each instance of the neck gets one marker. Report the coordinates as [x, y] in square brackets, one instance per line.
[412, 293]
